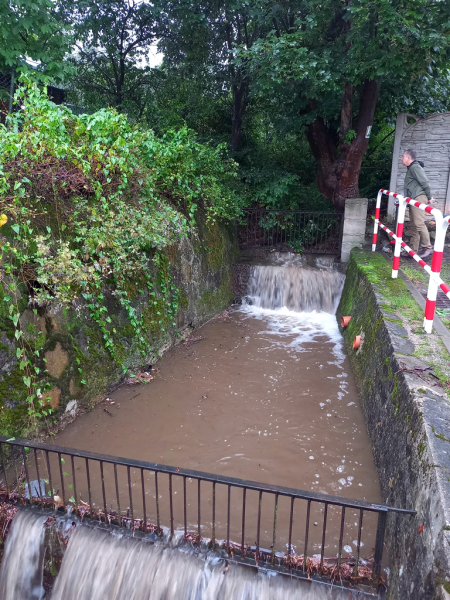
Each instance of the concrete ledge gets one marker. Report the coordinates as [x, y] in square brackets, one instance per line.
[407, 413]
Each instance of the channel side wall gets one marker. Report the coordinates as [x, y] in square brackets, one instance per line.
[407, 414]
[78, 370]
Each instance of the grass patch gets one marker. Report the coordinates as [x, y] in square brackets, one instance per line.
[396, 298]
[414, 275]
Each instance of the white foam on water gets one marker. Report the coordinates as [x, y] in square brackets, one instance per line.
[298, 289]
[298, 306]
[295, 330]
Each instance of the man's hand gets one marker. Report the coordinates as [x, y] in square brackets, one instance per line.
[432, 200]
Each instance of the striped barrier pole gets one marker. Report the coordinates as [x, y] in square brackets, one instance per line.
[435, 278]
[436, 264]
[399, 230]
[411, 252]
[377, 220]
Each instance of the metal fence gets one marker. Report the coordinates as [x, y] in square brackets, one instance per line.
[300, 231]
[238, 517]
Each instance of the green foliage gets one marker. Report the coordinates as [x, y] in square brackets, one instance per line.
[112, 43]
[33, 29]
[91, 202]
[327, 64]
[386, 41]
[376, 166]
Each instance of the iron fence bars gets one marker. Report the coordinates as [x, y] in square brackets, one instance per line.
[293, 524]
[289, 230]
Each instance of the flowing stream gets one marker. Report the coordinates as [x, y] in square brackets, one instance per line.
[265, 393]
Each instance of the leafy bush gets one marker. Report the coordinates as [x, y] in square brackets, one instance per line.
[90, 201]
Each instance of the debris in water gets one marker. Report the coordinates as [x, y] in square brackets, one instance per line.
[223, 316]
[139, 378]
[193, 340]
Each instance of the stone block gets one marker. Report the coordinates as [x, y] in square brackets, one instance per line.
[355, 208]
[354, 229]
[348, 244]
[57, 360]
[53, 397]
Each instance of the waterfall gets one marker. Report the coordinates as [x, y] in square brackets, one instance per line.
[297, 288]
[100, 565]
[21, 572]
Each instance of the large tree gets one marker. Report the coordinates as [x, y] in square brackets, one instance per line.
[113, 41]
[329, 61]
[205, 36]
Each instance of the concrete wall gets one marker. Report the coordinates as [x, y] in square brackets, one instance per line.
[407, 413]
[430, 137]
[354, 229]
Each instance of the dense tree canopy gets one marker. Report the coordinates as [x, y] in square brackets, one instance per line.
[33, 30]
[112, 40]
[333, 58]
[305, 93]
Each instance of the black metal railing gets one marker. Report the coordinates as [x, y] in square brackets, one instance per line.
[236, 515]
[300, 231]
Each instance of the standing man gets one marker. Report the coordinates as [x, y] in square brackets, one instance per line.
[417, 187]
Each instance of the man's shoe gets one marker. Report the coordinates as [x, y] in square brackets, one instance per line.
[428, 252]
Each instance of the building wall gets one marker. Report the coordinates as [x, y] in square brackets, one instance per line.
[430, 137]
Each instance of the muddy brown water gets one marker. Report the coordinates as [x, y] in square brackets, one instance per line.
[267, 395]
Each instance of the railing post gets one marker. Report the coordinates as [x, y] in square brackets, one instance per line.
[379, 545]
[11, 90]
[399, 234]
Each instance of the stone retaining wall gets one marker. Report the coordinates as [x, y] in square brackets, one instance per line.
[407, 413]
[201, 268]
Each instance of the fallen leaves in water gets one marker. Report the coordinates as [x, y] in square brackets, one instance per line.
[223, 316]
[139, 378]
[193, 340]
[59, 502]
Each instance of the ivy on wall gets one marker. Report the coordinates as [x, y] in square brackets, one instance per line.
[88, 205]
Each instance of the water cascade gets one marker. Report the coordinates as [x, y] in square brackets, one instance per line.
[21, 572]
[99, 565]
[295, 287]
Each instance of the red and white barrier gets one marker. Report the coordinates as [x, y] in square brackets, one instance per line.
[442, 223]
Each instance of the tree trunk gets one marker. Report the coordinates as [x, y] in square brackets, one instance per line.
[240, 96]
[338, 173]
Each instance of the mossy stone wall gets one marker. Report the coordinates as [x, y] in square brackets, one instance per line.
[407, 416]
[201, 268]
